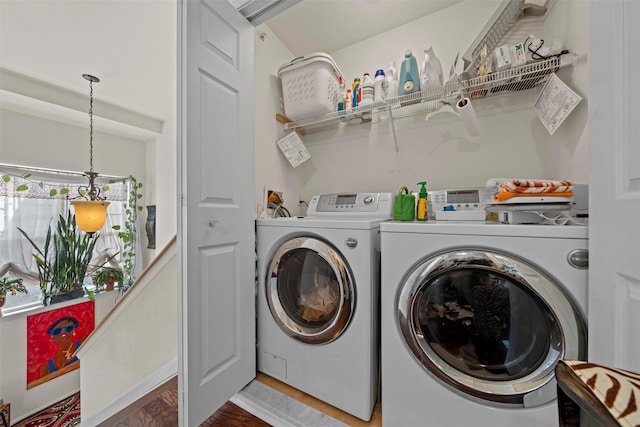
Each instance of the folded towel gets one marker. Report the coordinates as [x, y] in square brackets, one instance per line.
[523, 187]
[528, 186]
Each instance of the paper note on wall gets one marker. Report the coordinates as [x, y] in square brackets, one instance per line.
[555, 102]
[294, 150]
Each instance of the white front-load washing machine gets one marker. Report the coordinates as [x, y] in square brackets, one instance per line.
[318, 299]
[474, 317]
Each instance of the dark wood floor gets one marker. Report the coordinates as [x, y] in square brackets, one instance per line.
[160, 409]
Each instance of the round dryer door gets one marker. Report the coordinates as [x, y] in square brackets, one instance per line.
[310, 291]
[490, 326]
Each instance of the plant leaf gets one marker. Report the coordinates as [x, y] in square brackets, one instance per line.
[53, 192]
[6, 178]
[23, 187]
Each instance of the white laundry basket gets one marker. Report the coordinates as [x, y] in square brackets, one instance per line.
[310, 86]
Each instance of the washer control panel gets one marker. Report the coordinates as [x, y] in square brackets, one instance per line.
[369, 205]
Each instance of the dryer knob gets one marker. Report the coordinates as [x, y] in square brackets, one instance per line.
[351, 242]
[368, 200]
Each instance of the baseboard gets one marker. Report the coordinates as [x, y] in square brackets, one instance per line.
[140, 390]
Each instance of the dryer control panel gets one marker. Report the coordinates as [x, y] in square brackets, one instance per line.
[357, 205]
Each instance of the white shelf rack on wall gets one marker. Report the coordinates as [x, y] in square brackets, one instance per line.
[513, 80]
[497, 32]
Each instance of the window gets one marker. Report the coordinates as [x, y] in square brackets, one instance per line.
[32, 199]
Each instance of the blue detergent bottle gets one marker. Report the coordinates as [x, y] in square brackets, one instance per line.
[409, 81]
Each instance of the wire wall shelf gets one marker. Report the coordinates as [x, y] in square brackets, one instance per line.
[500, 83]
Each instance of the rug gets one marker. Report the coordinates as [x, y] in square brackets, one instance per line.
[65, 413]
[278, 409]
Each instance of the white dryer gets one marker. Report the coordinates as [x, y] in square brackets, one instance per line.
[318, 299]
[475, 317]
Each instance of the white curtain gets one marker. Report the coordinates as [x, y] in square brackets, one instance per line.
[34, 216]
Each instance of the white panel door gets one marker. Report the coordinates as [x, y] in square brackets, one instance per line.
[614, 170]
[216, 233]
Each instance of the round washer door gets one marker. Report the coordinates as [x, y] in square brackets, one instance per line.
[310, 290]
[489, 325]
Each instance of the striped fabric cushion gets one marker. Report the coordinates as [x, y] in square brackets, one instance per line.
[618, 390]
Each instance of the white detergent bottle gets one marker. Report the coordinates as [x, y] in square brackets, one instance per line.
[367, 95]
[379, 86]
[392, 81]
[431, 76]
[367, 90]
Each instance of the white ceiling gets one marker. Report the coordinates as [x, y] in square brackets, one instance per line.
[330, 25]
[131, 44]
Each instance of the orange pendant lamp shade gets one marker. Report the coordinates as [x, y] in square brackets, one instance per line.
[90, 214]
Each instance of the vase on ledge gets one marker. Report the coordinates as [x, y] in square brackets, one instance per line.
[150, 226]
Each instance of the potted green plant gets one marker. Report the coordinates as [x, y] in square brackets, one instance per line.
[105, 278]
[12, 286]
[63, 260]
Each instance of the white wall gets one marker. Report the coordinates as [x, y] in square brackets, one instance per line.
[512, 141]
[28, 140]
[568, 153]
[271, 167]
[13, 364]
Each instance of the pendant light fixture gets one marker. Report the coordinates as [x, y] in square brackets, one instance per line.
[91, 212]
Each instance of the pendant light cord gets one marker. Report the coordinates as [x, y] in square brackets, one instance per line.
[93, 191]
[90, 125]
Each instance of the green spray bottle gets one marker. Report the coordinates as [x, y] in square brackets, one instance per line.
[421, 212]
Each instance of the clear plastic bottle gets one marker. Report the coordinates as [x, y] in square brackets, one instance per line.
[392, 81]
[341, 94]
[355, 91]
[431, 76]
[348, 99]
[341, 88]
[379, 86]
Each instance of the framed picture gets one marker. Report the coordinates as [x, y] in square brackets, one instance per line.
[53, 338]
